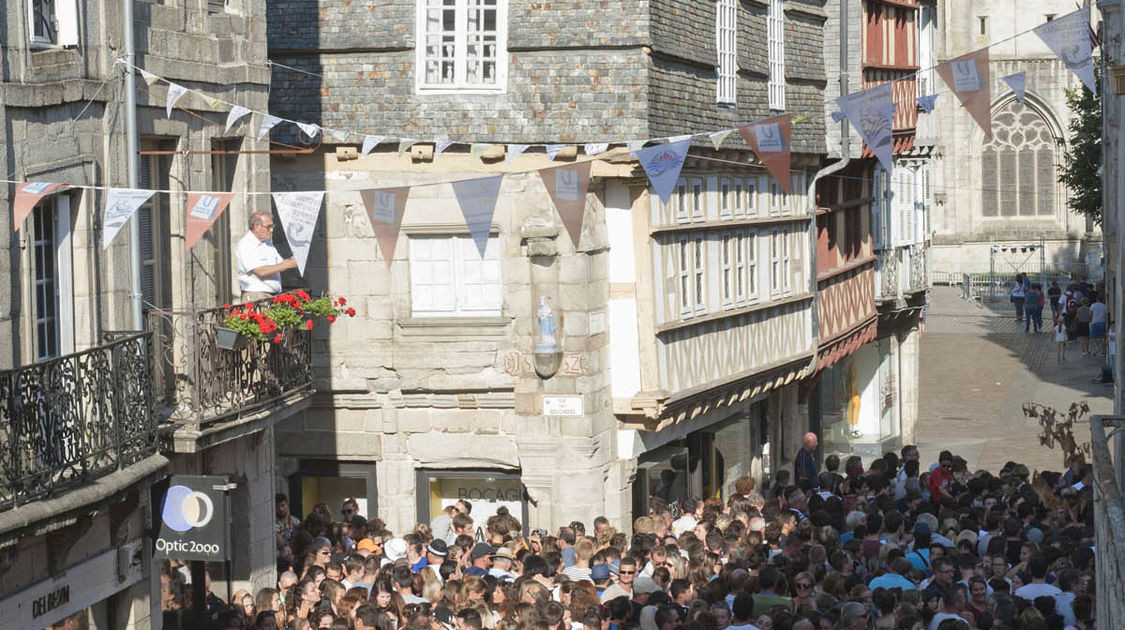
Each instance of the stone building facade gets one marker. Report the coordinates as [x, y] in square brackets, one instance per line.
[435, 391]
[96, 442]
[1005, 191]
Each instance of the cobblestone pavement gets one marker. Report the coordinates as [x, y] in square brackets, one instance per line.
[978, 368]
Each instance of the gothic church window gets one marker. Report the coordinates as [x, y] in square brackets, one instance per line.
[1018, 165]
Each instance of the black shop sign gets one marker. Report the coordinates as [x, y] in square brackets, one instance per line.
[194, 522]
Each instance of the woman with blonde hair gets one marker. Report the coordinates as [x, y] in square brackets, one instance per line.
[473, 589]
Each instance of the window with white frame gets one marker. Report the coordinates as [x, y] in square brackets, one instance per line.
[52, 23]
[739, 199]
[724, 198]
[775, 262]
[726, 263]
[697, 199]
[684, 273]
[751, 197]
[700, 273]
[726, 31]
[449, 277]
[775, 34]
[462, 45]
[776, 198]
[740, 267]
[682, 214]
[751, 266]
[786, 262]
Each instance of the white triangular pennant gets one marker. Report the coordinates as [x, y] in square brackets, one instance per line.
[477, 198]
[309, 129]
[298, 212]
[595, 148]
[1018, 83]
[149, 77]
[236, 113]
[516, 150]
[370, 142]
[268, 122]
[1069, 38]
[553, 150]
[440, 146]
[405, 143]
[175, 93]
[717, 137]
[338, 135]
[675, 139]
[120, 204]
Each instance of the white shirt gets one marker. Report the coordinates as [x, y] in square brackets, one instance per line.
[1031, 591]
[251, 254]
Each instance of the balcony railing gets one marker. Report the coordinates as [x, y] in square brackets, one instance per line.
[67, 421]
[900, 271]
[197, 382]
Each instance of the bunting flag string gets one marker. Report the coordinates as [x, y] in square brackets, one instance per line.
[236, 113]
[553, 150]
[370, 142]
[1018, 83]
[175, 93]
[926, 103]
[568, 186]
[516, 150]
[477, 198]
[968, 77]
[1069, 38]
[203, 210]
[268, 122]
[440, 146]
[120, 205]
[662, 164]
[404, 144]
[298, 212]
[385, 209]
[872, 112]
[718, 137]
[770, 141]
[309, 129]
[27, 195]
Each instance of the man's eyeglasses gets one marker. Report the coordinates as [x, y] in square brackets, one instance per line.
[804, 586]
[324, 552]
[627, 572]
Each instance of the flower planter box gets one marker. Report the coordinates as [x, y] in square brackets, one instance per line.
[228, 338]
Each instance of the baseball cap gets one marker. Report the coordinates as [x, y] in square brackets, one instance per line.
[365, 544]
[599, 572]
[481, 550]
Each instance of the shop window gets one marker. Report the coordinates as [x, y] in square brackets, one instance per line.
[486, 491]
[331, 483]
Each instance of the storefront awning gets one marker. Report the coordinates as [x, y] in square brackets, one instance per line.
[846, 344]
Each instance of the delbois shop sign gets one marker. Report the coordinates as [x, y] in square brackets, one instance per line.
[193, 519]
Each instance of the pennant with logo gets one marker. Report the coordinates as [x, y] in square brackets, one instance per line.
[175, 93]
[338, 135]
[27, 195]
[298, 212]
[553, 150]
[662, 164]
[150, 78]
[1069, 38]
[872, 113]
[477, 198]
[567, 187]
[120, 204]
[236, 114]
[595, 148]
[370, 142]
[769, 139]
[516, 150]
[268, 122]
[1018, 83]
[926, 103]
[968, 75]
[203, 209]
[404, 144]
[385, 208]
[440, 146]
[718, 137]
[477, 149]
[309, 129]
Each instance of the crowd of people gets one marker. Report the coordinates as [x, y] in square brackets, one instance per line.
[1078, 313]
[897, 544]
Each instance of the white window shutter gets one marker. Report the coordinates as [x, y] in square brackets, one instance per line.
[66, 13]
[877, 209]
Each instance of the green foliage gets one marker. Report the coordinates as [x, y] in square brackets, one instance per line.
[1083, 160]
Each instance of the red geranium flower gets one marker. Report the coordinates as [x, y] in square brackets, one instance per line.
[308, 324]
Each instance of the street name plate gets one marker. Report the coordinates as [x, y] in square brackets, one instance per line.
[562, 406]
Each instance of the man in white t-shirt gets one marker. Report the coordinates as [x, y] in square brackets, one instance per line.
[259, 264]
[1038, 587]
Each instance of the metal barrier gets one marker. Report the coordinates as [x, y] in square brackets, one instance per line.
[1109, 527]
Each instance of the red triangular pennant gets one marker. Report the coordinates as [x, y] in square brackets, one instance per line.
[385, 207]
[203, 209]
[769, 139]
[27, 195]
[968, 77]
[567, 186]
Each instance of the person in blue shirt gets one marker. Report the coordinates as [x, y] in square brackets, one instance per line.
[919, 557]
[895, 577]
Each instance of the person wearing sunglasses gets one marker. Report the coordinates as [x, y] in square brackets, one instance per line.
[941, 478]
[259, 264]
[626, 575]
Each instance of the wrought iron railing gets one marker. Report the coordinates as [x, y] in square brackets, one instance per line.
[886, 275]
[918, 277]
[67, 421]
[197, 382]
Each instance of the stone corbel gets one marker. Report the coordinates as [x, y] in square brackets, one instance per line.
[540, 235]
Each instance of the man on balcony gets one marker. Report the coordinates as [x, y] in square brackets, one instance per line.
[259, 264]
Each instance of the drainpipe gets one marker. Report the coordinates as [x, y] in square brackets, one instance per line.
[131, 148]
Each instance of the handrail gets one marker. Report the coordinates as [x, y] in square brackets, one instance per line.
[71, 419]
